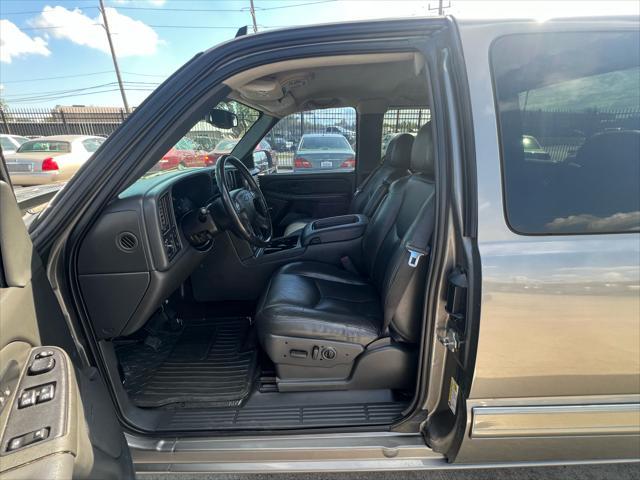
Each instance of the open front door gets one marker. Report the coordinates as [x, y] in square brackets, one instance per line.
[56, 416]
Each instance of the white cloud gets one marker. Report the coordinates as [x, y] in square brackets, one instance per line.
[14, 43]
[618, 222]
[130, 37]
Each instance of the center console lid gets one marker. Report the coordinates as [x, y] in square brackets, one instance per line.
[334, 229]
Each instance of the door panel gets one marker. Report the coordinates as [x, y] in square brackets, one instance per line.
[56, 419]
[548, 302]
[296, 196]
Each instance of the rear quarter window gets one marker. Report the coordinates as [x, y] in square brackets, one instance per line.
[568, 108]
[45, 146]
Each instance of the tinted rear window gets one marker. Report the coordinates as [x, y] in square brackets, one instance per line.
[569, 116]
[44, 146]
[324, 143]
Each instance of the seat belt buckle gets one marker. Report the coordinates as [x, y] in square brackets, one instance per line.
[415, 254]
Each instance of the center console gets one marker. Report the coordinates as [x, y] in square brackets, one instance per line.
[334, 229]
[247, 269]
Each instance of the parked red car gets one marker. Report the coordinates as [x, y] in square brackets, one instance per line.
[225, 146]
[185, 153]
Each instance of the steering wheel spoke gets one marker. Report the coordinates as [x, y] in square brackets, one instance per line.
[246, 206]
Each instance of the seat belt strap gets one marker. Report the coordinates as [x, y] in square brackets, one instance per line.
[362, 186]
[376, 199]
[416, 247]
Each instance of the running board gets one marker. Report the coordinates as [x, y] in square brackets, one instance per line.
[293, 453]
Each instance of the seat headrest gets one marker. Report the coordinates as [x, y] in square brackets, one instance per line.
[422, 154]
[398, 153]
[617, 147]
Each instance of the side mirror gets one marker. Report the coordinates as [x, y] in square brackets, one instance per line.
[223, 119]
[262, 161]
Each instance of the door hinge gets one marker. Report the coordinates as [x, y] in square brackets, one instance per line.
[452, 335]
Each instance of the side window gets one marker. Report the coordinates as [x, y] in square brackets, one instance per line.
[92, 144]
[315, 141]
[402, 120]
[569, 116]
[7, 144]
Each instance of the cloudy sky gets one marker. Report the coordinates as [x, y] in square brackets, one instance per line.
[56, 52]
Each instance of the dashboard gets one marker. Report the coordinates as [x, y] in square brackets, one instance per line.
[136, 254]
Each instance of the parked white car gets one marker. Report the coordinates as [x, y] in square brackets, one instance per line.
[10, 143]
[50, 159]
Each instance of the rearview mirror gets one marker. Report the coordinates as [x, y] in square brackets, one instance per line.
[222, 119]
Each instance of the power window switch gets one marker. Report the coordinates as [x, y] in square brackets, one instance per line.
[15, 444]
[42, 365]
[40, 435]
[46, 393]
[28, 439]
[27, 399]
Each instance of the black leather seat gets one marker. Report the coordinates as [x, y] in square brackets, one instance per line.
[367, 198]
[310, 308]
[319, 300]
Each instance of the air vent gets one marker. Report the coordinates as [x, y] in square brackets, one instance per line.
[127, 241]
[164, 213]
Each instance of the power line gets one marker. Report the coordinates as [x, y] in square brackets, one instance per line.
[201, 10]
[148, 74]
[55, 78]
[29, 100]
[38, 12]
[280, 7]
[76, 90]
[89, 74]
[69, 90]
[49, 27]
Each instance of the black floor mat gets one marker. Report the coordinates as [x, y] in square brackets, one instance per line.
[210, 362]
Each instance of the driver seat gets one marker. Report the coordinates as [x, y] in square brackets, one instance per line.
[328, 328]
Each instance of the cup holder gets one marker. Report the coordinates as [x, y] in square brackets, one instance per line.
[280, 244]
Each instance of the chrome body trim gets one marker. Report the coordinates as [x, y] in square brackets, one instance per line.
[606, 419]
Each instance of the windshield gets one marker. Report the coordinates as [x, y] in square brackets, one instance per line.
[187, 152]
[226, 145]
[324, 143]
[44, 146]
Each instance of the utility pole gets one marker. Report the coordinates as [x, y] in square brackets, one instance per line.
[252, 9]
[113, 55]
[441, 7]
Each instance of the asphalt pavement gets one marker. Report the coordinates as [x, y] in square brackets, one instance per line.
[618, 471]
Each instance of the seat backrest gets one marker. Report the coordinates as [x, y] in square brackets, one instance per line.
[403, 212]
[607, 180]
[395, 165]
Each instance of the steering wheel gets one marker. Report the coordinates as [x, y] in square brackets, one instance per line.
[246, 207]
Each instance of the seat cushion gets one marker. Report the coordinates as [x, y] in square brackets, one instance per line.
[319, 301]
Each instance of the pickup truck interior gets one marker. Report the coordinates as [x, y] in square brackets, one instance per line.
[221, 299]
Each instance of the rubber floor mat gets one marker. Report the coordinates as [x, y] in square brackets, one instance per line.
[210, 362]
